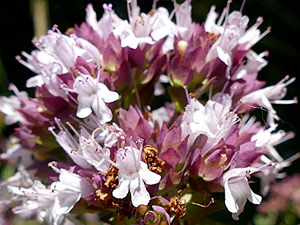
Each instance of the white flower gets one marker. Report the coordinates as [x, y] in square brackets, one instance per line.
[10, 105]
[93, 153]
[272, 94]
[84, 148]
[69, 144]
[237, 190]
[56, 54]
[213, 120]
[133, 173]
[93, 95]
[254, 64]
[51, 204]
[232, 30]
[270, 174]
[268, 139]
[106, 24]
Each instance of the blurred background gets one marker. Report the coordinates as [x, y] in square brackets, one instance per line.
[21, 20]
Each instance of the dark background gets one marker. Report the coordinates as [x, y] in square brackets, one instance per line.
[282, 43]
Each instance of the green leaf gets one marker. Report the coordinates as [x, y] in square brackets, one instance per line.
[7, 171]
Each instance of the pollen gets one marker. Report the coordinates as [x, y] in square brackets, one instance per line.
[213, 37]
[177, 207]
[70, 31]
[150, 156]
[102, 196]
[112, 177]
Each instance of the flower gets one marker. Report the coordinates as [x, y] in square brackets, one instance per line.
[237, 190]
[133, 173]
[98, 83]
[93, 95]
[272, 94]
[56, 54]
[83, 149]
[213, 120]
[50, 204]
[10, 105]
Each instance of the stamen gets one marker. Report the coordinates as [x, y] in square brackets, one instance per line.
[14, 89]
[66, 88]
[242, 6]
[221, 18]
[188, 97]
[129, 11]
[55, 28]
[64, 129]
[225, 22]
[274, 154]
[73, 129]
[225, 85]
[259, 21]
[212, 200]
[293, 157]
[73, 98]
[134, 155]
[210, 90]
[174, 10]
[51, 129]
[136, 92]
[24, 63]
[267, 31]
[154, 4]
[53, 166]
[264, 54]
[285, 102]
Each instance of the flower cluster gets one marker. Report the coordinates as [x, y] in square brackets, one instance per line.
[93, 139]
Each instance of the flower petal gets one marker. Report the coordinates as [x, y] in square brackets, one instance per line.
[122, 190]
[107, 95]
[139, 193]
[254, 198]
[83, 110]
[148, 176]
[102, 111]
[229, 200]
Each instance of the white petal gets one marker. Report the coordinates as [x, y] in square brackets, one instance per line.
[130, 41]
[66, 144]
[160, 33]
[102, 111]
[139, 193]
[35, 81]
[83, 110]
[107, 95]
[223, 56]
[254, 198]
[75, 182]
[122, 190]
[148, 176]
[229, 200]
